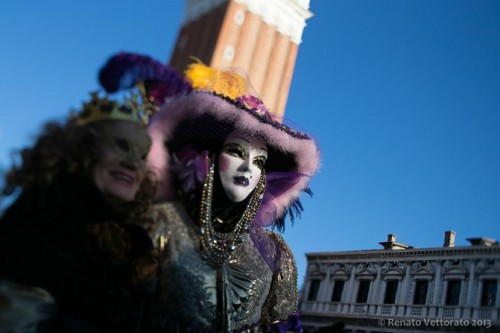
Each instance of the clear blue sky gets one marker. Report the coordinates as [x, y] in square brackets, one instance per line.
[402, 96]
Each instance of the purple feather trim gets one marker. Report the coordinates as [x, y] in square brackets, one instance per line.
[278, 183]
[191, 168]
[124, 70]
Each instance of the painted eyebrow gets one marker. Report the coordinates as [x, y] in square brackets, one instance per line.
[242, 138]
[247, 141]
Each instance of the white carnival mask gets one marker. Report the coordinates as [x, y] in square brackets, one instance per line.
[240, 165]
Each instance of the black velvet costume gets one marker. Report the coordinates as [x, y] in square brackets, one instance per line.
[67, 239]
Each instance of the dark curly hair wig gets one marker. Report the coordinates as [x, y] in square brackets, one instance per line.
[68, 150]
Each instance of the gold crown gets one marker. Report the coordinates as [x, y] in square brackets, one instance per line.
[99, 109]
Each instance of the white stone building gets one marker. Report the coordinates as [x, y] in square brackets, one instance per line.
[403, 289]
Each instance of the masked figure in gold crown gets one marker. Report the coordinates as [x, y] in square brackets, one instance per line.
[73, 230]
[227, 169]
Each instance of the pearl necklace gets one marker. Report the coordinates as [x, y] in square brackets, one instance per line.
[216, 246]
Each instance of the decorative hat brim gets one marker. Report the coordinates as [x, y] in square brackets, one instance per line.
[290, 150]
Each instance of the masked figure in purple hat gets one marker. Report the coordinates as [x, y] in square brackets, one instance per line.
[227, 170]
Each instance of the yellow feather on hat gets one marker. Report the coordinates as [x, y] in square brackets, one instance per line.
[225, 83]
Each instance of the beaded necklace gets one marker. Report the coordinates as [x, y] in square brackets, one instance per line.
[216, 246]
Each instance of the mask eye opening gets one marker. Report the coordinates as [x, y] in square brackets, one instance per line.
[123, 144]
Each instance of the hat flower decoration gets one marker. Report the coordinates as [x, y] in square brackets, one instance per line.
[200, 120]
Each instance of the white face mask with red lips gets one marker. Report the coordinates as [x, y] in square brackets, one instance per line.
[240, 165]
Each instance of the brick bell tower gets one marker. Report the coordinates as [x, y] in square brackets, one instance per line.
[261, 37]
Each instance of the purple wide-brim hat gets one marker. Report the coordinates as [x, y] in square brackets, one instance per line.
[205, 118]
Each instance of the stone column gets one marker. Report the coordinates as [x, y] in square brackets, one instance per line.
[404, 291]
[350, 287]
[375, 298]
[437, 287]
[324, 286]
[473, 285]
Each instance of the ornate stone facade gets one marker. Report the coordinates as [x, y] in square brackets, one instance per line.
[452, 289]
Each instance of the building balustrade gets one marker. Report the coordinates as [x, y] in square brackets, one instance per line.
[333, 307]
[483, 313]
[449, 312]
[416, 311]
[403, 311]
[359, 309]
[386, 310]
